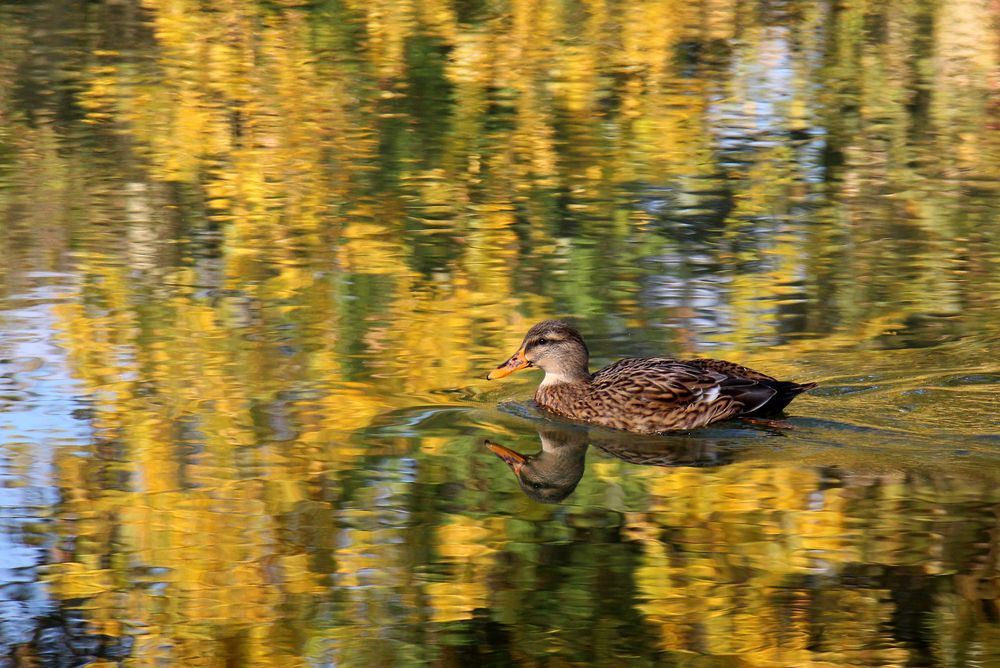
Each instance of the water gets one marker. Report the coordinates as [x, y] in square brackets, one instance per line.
[258, 258]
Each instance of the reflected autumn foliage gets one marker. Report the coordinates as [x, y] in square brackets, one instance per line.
[296, 236]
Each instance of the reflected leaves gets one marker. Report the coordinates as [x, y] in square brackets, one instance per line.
[297, 234]
[849, 561]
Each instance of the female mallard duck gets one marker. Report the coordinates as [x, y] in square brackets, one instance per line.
[647, 394]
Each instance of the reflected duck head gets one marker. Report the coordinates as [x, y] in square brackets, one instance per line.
[553, 346]
[551, 475]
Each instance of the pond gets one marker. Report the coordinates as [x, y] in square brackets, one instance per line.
[258, 257]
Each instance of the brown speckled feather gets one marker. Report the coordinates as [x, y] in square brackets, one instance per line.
[728, 368]
[644, 395]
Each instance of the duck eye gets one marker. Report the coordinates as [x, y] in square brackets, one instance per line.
[542, 341]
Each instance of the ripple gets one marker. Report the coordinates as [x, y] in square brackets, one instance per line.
[827, 390]
[970, 379]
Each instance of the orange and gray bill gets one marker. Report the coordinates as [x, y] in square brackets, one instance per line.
[516, 362]
[515, 460]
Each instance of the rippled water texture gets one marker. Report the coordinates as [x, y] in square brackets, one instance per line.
[256, 259]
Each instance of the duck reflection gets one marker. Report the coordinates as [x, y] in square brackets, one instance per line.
[548, 476]
[551, 475]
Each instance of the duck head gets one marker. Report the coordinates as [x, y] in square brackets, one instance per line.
[553, 346]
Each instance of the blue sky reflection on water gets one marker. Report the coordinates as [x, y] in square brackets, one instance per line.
[38, 401]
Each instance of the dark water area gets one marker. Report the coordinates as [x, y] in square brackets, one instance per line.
[256, 259]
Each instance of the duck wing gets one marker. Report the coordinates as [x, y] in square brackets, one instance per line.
[730, 369]
[659, 394]
[759, 393]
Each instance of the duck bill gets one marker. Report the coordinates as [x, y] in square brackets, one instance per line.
[515, 460]
[516, 362]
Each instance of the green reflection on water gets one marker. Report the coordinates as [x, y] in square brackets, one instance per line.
[258, 258]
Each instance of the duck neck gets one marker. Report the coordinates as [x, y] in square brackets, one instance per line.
[565, 376]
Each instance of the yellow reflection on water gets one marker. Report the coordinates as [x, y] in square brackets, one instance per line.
[296, 237]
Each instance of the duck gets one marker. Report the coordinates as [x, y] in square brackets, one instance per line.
[644, 395]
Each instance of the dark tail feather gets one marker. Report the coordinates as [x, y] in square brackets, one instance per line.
[784, 392]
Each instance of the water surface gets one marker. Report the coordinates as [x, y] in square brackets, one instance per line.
[258, 257]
